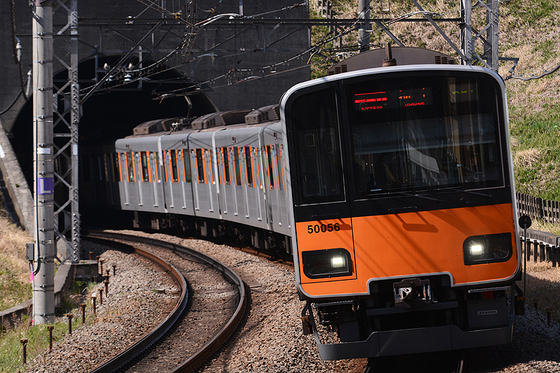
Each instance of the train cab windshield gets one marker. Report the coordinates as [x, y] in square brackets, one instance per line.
[425, 133]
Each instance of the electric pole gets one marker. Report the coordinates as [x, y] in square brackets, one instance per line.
[43, 271]
[364, 30]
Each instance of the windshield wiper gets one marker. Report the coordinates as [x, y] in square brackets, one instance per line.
[472, 192]
[407, 194]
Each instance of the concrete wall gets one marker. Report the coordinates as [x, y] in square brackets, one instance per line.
[16, 184]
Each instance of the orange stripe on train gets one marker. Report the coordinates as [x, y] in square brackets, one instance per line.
[407, 245]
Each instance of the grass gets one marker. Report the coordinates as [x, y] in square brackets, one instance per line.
[38, 341]
[532, 11]
[11, 359]
[543, 226]
[14, 273]
[536, 146]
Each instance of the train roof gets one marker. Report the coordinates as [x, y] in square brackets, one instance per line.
[388, 70]
[392, 56]
[209, 121]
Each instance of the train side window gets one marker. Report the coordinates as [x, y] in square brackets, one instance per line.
[114, 167]
[150, 158]
[279, 166]
[313, 121]
[200, 165]
[187, 166]
[227, 178]
[268, 151]
[130, 166]
[258, 167]
[120, 157]
[156, 167]
[164, 171]
[209, 157]
[218, 172]
[249, 165]
[144, 166]
[236, 161]
[106, 164]
[173, 164]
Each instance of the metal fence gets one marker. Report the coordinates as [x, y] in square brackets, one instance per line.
[540, 246]
[538, 208]
[539, 251]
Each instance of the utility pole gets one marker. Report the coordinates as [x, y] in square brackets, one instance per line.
[363, 31]
[66, 118]
[43, 281]
[469, 36]
[491, 46]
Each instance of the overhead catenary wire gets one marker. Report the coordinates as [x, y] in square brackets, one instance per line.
[534, 77]
[16, 46]
[313, 49]
[138, 73]
[135, 73]
[145, 72]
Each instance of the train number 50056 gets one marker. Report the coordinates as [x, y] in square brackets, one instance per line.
[322, 228]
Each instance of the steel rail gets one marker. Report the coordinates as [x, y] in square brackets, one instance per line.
[219, 339]
[157, 333]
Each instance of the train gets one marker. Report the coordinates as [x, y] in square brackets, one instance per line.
[388, 182]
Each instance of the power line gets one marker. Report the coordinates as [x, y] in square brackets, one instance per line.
[313, 49]
[120, 74]
[533, 77]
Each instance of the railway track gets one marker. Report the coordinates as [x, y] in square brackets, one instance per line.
[271, 338]
[216, 303]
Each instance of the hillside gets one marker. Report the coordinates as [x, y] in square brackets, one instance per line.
[530, 31]
[14, 274]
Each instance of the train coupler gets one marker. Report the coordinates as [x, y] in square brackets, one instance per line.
[410, 291]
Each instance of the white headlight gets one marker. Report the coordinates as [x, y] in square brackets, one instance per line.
[327, 263]
[476, 249]
[489, 248]
[338, 262]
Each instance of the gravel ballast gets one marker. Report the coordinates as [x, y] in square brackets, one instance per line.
[271, 339]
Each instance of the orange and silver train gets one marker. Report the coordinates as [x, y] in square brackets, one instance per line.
[391, 188]
[404, 209]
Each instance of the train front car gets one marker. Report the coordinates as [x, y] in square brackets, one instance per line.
[403, 204]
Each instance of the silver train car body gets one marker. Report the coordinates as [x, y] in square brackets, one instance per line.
[225, 173]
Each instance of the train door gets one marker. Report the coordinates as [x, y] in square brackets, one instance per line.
[321, 210]
[209, 175]
[263, 200]
[155, 177]
[138, 177]
[173, 175]
[162, 171]
[185, 171]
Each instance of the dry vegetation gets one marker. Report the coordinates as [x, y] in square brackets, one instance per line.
[14, 274]
[543, 287]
